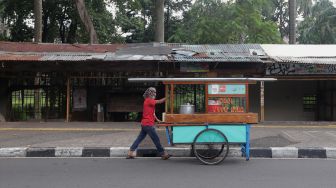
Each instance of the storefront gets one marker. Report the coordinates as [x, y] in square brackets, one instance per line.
[51, 82]
[305, 90]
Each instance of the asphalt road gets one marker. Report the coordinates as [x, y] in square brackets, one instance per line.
[155, 173]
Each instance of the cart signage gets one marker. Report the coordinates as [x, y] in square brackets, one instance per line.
[227, 89]
[226, 104]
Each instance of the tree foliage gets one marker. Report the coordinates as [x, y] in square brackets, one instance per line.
[319, 27]
[305, 7]
[191, 21]
[15, 14]
[278, 12]
[60, 21]
[214, 21]
[135, 18]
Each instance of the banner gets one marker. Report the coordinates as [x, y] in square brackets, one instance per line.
[79, 100]
[299, 69]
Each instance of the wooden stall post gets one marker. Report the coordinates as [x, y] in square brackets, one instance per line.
[171, 98]
[206, 98]
[262, 101]
[247, 98]
[332, 104]
[166, 96]
[68, 101]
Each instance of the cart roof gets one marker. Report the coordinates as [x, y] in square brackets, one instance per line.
[200, 79]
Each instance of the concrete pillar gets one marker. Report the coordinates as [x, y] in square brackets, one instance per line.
[262, 101]
[68, 101]
[4, 92]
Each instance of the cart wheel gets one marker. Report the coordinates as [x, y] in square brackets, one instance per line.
[210, 146]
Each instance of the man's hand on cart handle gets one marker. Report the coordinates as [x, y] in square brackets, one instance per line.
[158, 124]
[157, 119]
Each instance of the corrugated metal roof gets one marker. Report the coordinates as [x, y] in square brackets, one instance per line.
[145, 50]
[285, 50]
[62, 57]
[131, 52]
[278, 53]
[23, 56]
[219, 53]
[50, 47]
[130, 57]
[224, 48]
[306, 54]
[79, 57]
[306, 60]
[141, 52]
[18, 57]
[11, 51]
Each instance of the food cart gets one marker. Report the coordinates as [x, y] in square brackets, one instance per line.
[211, 114]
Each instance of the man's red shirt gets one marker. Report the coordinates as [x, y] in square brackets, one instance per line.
[148, 112]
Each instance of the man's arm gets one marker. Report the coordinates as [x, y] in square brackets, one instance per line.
[157, 119]
[160, 101]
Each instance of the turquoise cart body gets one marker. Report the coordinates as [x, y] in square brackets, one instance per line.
[236, 134]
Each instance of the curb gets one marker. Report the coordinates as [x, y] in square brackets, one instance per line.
[272, 152]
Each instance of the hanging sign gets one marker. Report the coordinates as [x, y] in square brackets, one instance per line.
[226, 89]
[79, 100]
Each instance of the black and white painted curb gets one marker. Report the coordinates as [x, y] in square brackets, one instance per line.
[272, 152]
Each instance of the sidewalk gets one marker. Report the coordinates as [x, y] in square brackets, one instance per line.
[291, 139]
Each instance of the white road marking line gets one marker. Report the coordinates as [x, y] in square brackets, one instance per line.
[307, 133]
[331, 134]
[287, 134]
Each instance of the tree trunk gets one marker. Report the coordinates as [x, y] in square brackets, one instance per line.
[159, 21]
[38, 39]
[72, 32]
[38, 20]
[167, 27]
[85, 17]
[45, 26]
[292, 20]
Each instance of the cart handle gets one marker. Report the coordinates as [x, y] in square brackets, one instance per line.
[180, 124]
